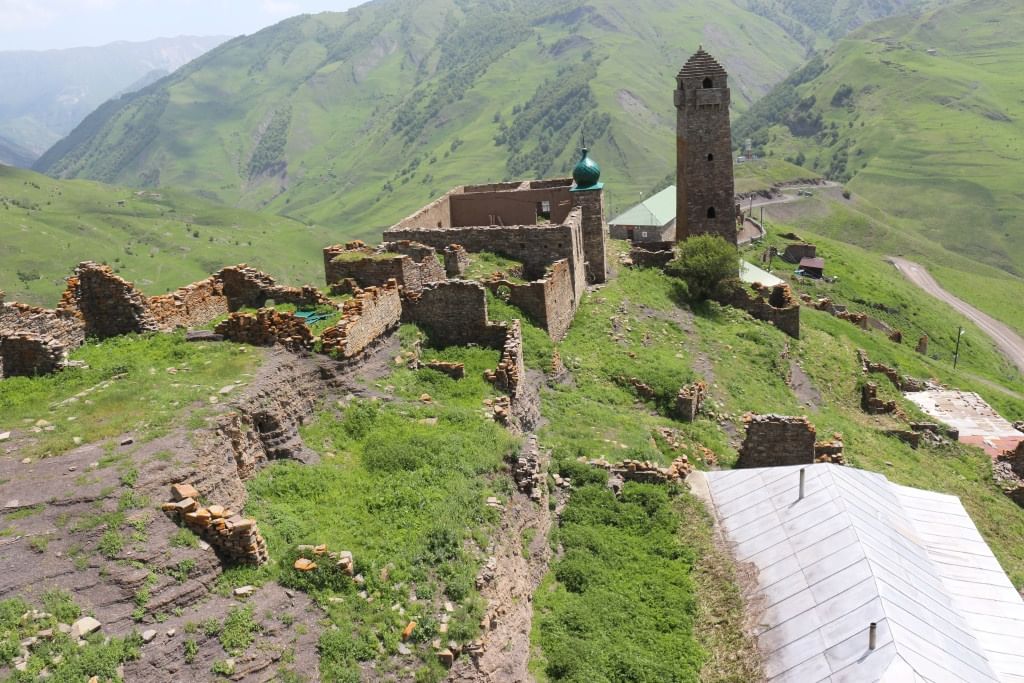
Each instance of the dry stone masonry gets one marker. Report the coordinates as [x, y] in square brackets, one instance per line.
[776, 441]
[775, 305]
[267, 328]
[689, 400]
[370, 315]
[235, 539]
[411, 264]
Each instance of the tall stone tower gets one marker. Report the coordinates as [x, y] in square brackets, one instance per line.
[705, 202]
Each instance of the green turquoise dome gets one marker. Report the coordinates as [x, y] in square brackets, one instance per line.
[587, 173]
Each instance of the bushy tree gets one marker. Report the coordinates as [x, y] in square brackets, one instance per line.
[707, 264]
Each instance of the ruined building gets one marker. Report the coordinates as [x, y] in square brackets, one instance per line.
[704, 175]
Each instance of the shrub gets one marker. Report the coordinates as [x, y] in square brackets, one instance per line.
[239, 630]
[326, 577]
[111, 543]
[706, 263]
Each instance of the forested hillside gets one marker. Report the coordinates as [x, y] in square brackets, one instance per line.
[355, 118]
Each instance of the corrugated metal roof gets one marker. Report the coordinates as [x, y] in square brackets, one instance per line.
[656, 211]
[858, 549]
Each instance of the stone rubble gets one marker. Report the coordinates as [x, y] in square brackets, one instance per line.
[235, 539]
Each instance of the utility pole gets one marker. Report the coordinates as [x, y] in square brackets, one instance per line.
[956, 354]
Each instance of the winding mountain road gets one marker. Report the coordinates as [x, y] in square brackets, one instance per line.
[1008, 341]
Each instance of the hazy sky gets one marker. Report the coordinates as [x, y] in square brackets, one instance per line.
[47, 24]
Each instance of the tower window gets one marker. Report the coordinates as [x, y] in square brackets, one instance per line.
[708, 83]
[711, 212]
[711, 157]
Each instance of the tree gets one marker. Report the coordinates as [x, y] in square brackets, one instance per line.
[706, 263]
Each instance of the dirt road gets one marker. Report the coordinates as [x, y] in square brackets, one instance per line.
[1008, 341]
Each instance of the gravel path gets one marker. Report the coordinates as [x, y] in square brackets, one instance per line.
[1008, 341]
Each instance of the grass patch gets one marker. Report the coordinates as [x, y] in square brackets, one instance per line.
[622, 590]
[125, 388]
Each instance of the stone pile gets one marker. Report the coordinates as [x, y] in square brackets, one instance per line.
[689, 400]
[909, 437]
[644, 391]
[526, 470]
[642, 471]
[235, 539]
[341, 559]
[267, 328]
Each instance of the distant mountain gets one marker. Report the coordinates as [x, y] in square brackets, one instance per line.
[355, 118]
[922, 116]
[13, 154]
[46, 94]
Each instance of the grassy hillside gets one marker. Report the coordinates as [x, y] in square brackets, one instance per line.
[932, 139]
[160, 240]
[356, 118]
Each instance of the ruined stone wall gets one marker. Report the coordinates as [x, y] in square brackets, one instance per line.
[453, 313]
[795, 252]
[436, 214]
[410, 264]
[689, 400]
[235, 539]
[510, 203]
[549, 303]
[774, 305]
[27, 355]
[190, 306]
[456, 260]
[108, 304]
[373, 313]
[247, 287]
[266, 328]
[649, 256]
[776, 440]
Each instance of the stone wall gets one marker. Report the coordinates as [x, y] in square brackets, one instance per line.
[453, 314]
[456, 260]
[549, 303]
[24, 354]
[411, 264]
[108, 304]
[192, 305]
[901, 382]
[235, 539]
[650, 256]
[689, 400]
[795, 252]
[871, 404]
[776, 440]
[247, 287]
[774, 305]
[266, 328]
[595, 233]
[373, 313]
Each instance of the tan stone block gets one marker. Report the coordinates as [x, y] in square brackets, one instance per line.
[183, 491]
[407, 631]
[304, 565]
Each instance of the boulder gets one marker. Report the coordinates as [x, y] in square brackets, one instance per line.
[84, 627]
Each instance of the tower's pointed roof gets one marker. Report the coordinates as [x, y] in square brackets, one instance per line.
[701, 64]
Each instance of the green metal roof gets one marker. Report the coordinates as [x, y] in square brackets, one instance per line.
[655, 211]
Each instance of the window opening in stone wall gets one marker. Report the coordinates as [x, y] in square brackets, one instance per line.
[708, 83]
[711, 212]
[711, 157]
[543, 212]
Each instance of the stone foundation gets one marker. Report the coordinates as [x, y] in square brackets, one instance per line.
[904, 383]
[652, 254]
[871, 404]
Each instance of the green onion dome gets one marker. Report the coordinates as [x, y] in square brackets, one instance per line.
[587, 173]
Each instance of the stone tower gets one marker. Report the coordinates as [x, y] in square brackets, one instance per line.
[705, 191]
[587, 193]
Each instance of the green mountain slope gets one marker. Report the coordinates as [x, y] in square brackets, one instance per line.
[13, 154]
[160, 240]
[923, 117]
[356, 118]
[47, 93]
